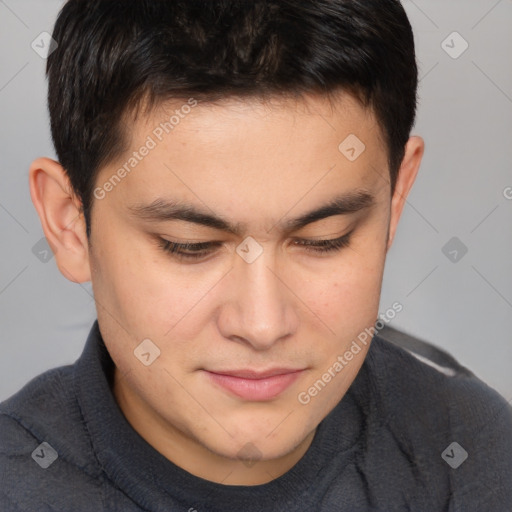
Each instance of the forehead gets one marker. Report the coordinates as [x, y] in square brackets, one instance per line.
[191, 118]
[252, 150]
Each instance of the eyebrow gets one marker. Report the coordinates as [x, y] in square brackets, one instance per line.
[163, 210]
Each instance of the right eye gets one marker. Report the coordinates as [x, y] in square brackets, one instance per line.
[187, 250]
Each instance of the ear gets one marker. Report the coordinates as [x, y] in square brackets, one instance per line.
[61, 218]
[409, 168]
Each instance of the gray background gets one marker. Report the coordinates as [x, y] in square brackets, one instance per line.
[465, 117]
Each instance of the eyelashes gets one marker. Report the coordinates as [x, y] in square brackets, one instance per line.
[188, 250]
[196, 251]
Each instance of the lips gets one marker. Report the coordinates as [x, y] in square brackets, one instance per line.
[253, 385]
[255, 374]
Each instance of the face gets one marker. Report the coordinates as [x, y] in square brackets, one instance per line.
[258, 265]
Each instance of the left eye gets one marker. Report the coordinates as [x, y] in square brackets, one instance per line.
[196, 250]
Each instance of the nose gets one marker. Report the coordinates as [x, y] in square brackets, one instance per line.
[259, 306]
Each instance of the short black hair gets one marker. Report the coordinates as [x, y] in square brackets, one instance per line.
[113, 55]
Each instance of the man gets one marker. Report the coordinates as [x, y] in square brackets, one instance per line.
[230, 179]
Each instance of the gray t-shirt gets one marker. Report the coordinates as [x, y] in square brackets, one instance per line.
[405, 437]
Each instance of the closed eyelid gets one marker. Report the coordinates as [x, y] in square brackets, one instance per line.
[198, 250]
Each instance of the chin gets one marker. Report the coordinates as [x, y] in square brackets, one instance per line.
[259, 443]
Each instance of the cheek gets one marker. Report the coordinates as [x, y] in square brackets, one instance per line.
[157, 298]
[127, 282]
[347, 297]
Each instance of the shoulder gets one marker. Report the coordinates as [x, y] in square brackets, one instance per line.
[43, 443]
[427, 375]
[446, 418]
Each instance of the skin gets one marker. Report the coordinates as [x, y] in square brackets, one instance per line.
[252, 163]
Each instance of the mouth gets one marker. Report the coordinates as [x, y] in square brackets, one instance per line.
[255, 386]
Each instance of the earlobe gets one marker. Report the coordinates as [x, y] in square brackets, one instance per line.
[61, 218]
[407, 173]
